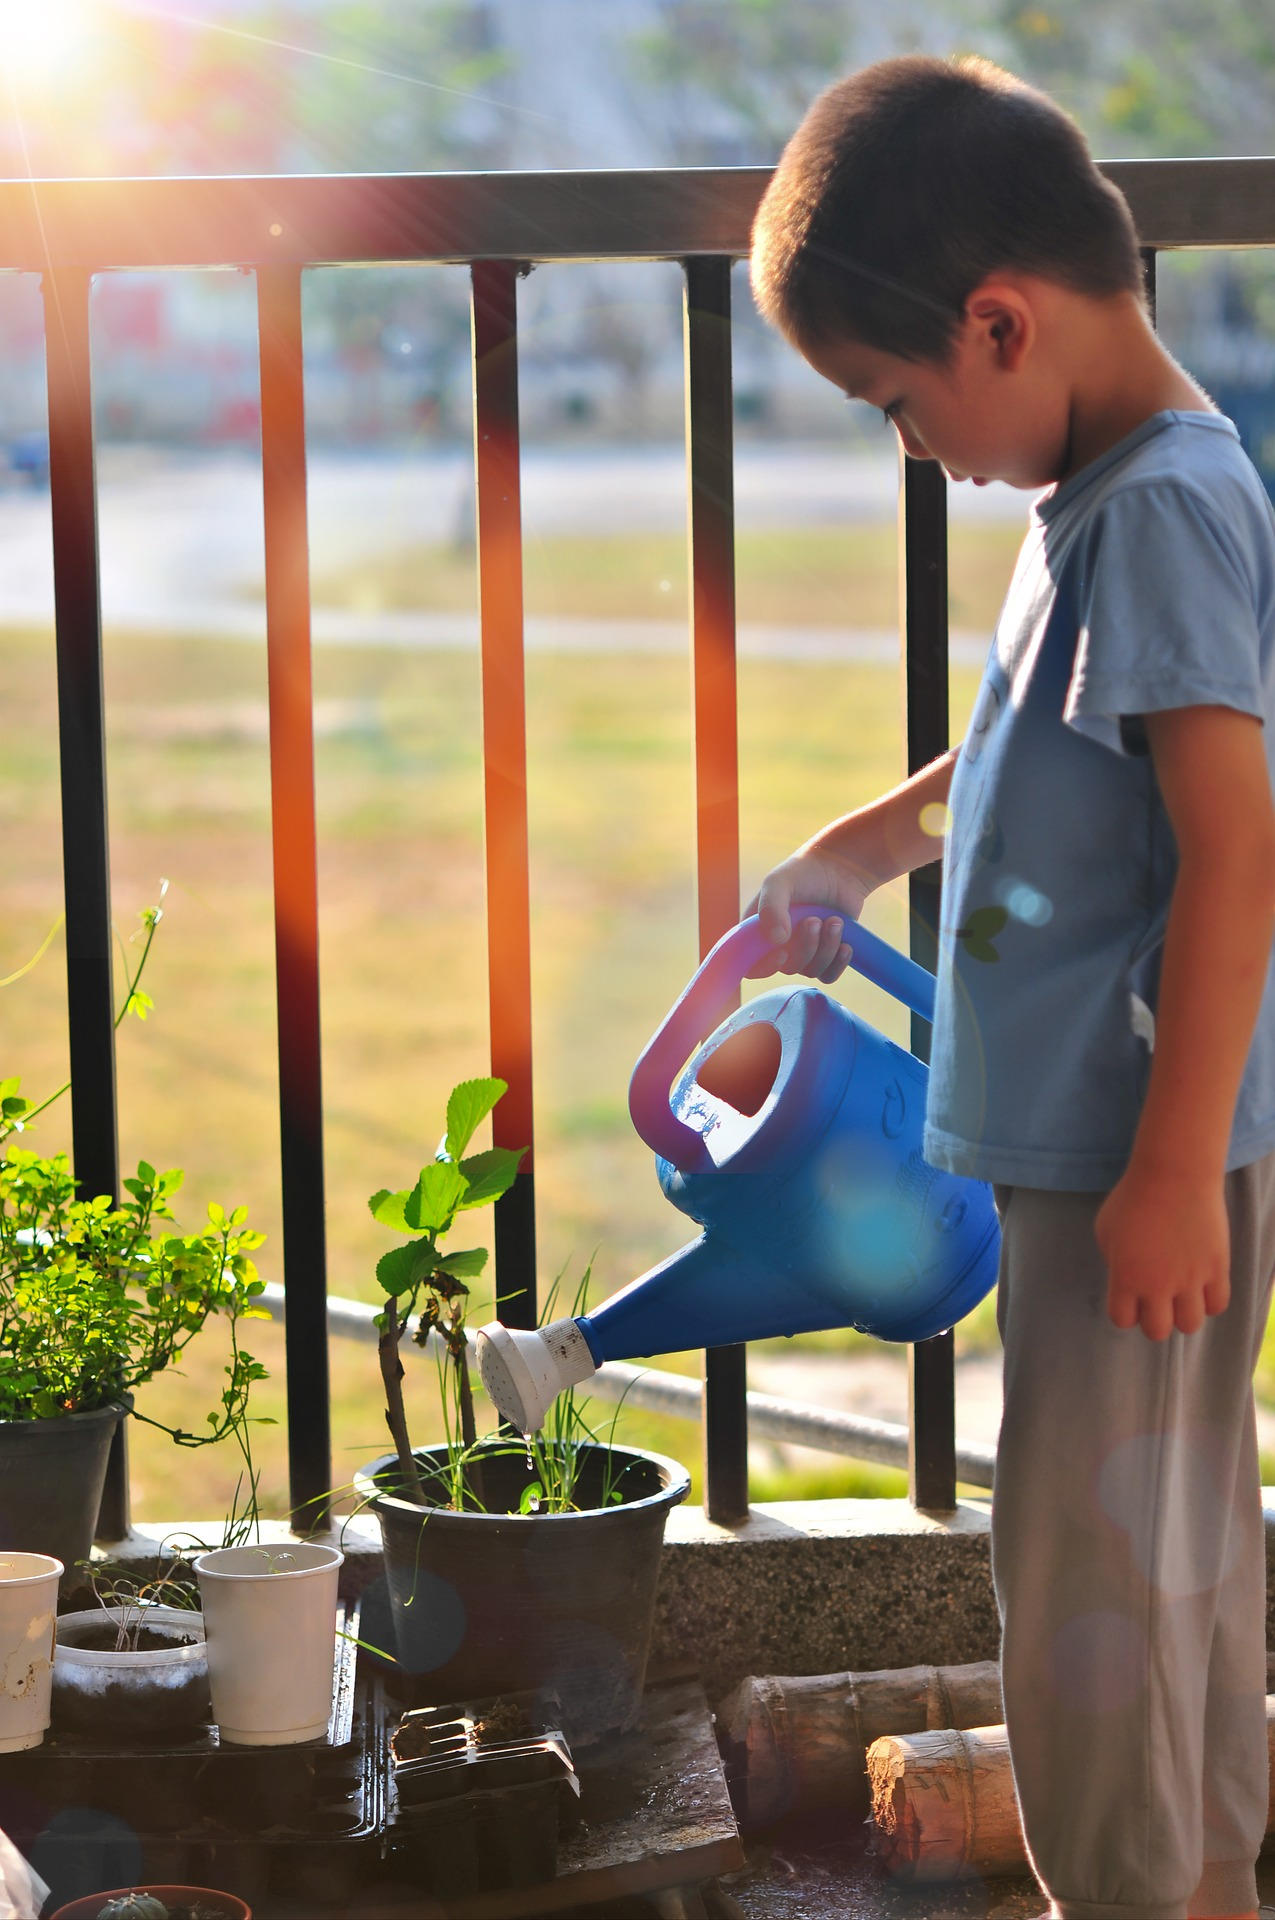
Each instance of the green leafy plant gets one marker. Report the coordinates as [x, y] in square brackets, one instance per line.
[96, 1297]
[429, 1283]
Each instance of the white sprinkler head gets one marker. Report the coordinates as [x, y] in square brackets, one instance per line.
[524, 1371]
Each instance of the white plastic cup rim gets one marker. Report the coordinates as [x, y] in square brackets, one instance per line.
[193, 1653]
[227, 1563]
[28, 1569]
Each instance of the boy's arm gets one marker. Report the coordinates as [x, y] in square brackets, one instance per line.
[1163, 1229]
[841, 865]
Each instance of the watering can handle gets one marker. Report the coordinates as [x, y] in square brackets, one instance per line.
[708, 996]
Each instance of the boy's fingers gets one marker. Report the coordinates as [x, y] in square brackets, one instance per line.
[1156, 1319]
[1122, 1309]
[1217, 1294]
[774, 919]
[1188, 1312]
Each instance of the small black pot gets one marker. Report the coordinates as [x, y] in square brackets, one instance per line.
[51, 1477]
[498, 1602]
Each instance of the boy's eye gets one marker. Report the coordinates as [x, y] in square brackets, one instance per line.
[890, 411]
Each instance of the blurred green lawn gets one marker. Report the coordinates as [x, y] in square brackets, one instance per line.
[403, 954]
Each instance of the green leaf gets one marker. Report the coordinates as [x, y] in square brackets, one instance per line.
[388, 1208]
[467, 1107]
[490, 1174]
[979, 933]
[401, 1268]
[532, 1497]
[434, 1198]
[463, 1266]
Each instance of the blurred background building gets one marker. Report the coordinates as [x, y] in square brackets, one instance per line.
[243, 86]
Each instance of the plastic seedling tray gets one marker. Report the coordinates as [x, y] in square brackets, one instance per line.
[475, 1803]
[252, 1815]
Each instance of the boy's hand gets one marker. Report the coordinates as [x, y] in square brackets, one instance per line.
[816, 948]
[1166, 1241]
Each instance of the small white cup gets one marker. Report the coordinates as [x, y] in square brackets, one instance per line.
[270, 1626]
[28, 1613]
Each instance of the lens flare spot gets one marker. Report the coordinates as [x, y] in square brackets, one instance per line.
[1024, 902]
[1164, 1490]
[1098, 1661]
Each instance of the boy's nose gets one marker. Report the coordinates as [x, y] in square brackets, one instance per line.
[914, 448]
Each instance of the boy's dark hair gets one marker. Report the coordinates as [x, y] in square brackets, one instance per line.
[907, 184]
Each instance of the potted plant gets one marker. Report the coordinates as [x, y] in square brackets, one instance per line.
[156, 1903]
[512, 1564]
[133, 1666]
[95, 1299]
[270, 1616]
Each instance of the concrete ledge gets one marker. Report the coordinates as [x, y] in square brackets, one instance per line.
[826, 1586]
[812, 1586]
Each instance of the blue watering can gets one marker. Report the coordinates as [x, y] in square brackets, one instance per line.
[793, 1136]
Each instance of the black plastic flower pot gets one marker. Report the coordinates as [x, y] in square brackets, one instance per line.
[51, 1477]
[497, 1601]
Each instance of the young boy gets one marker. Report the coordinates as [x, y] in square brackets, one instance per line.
[937, 241]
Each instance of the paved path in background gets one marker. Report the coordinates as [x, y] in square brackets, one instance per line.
[181, 538]
[875, 1384]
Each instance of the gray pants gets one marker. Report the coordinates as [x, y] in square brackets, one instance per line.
[1128, 1553]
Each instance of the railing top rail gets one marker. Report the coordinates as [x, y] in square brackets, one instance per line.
[245, 220]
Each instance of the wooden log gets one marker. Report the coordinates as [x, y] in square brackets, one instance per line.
[800, 1743]
[943, 1804]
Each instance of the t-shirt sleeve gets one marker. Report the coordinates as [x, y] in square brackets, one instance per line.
[1166, 616]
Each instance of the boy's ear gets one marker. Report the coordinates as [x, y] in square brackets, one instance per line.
[999, 313]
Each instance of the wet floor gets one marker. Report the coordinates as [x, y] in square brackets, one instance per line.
[813, 1876]
[815, 1879]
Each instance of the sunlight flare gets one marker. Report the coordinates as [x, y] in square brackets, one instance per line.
[41, 43]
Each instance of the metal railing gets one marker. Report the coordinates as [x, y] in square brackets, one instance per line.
[499, 225]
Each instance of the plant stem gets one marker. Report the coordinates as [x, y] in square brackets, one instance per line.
[468, 1430]
[129, 991]
[395, 1413]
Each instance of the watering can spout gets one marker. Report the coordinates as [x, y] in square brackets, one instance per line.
[525, 1369]
[692, 1298]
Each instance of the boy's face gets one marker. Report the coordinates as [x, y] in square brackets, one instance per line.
[965, 414]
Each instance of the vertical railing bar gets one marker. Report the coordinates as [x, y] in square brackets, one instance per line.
[923, 613]
[296, 891]
[86, 864]
[711, 488]
[494, 312]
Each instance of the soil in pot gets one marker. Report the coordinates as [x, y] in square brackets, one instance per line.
[154, 1689]
[502, 1601]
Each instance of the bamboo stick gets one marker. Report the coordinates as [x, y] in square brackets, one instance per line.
[800, 1742]
[943, 1802]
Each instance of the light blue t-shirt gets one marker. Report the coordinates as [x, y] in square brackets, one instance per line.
[1146, 581]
